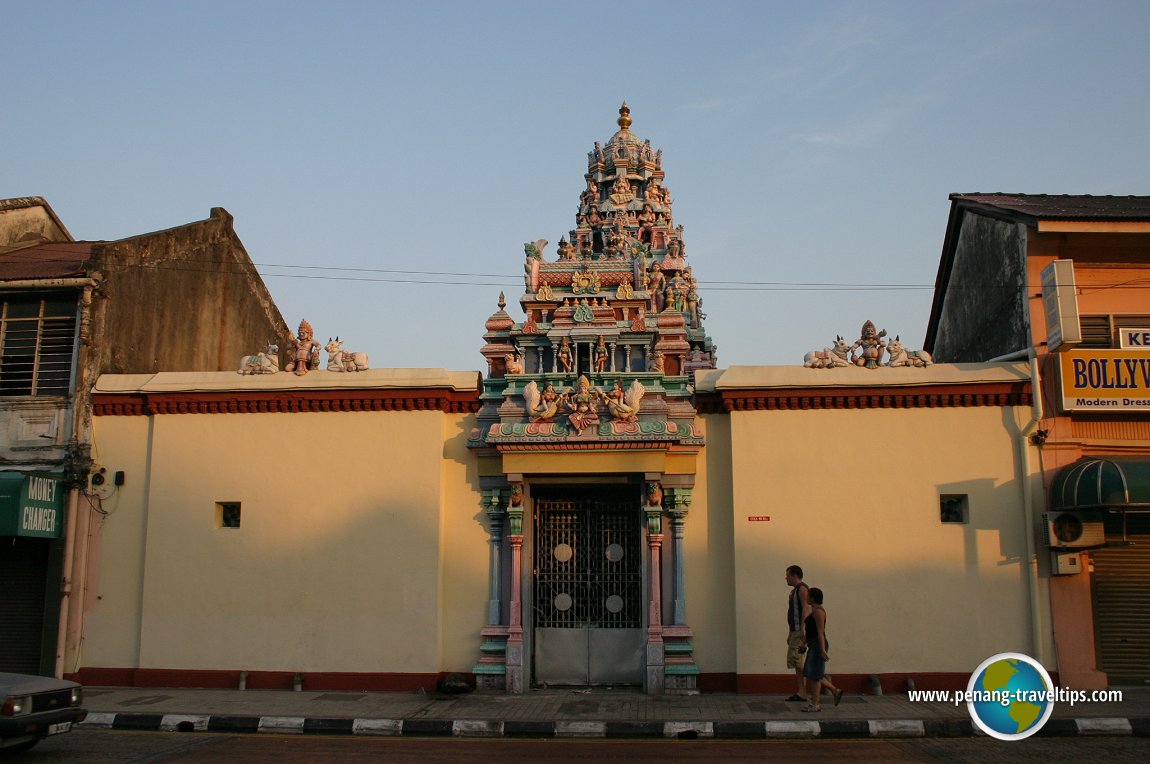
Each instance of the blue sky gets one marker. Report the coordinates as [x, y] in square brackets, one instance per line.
[366, 149]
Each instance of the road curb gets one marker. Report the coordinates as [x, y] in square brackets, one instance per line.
[782, 729]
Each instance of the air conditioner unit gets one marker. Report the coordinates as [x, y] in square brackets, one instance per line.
[1073, 530]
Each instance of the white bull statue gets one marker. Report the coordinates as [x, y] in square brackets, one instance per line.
[828, 358]
[339, 359]
[266, 362]
[900, 356]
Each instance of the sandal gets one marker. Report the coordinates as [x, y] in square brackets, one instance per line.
[838, 696]
[810, 709]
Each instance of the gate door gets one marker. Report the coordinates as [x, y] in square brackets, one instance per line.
[588, 602]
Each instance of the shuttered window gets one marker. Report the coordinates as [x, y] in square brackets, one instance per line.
[37, 337]
[1100, 331]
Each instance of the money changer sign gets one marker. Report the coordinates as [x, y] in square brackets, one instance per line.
[1105, 380]
[31, 505]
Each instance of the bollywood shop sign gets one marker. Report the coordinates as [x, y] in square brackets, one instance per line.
[1105, 380]
[31, 505]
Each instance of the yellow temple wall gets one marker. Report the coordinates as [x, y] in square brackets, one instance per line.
[362, 547]
[709, 554]
[852, 497]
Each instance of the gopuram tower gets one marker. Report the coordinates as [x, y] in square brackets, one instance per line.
[587, 442]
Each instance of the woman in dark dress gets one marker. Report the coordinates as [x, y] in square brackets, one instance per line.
[815, 668]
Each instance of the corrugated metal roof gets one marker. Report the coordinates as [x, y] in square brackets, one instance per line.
[46, 261]
[1066, 206]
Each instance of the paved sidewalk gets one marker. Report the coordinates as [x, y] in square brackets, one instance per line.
[571, 713]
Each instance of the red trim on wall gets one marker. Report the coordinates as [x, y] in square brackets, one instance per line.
[859, 684]
[717, 682]
[746, 684]
[294, 401]
[924, 396]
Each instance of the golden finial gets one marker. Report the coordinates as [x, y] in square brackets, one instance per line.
[624, 116]
[502, 301]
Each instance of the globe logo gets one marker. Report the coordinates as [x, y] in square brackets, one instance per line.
[1010, 696]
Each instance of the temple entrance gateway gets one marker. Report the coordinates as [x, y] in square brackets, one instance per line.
[588, 435]
[588, 588]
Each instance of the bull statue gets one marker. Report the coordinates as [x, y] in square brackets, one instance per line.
[339, 359]
[900, 356]
[266, 362]
[829, 358]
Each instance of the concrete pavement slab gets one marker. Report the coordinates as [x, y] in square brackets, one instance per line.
[571, 713]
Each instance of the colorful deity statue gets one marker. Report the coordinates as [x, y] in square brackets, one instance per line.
[617, 238]
[656, 286]
[543, 405]
[581, 405]
[565, 358]
[601, 355]
[623, 405]
[305, 351]
[590, 197]
[870, 347]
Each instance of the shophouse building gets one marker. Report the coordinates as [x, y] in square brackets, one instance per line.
[71, 311]
[1064, 280]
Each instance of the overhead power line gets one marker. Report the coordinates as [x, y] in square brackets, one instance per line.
[399, 276]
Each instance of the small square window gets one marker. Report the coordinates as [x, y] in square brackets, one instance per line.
[227, 514]
[952, 508]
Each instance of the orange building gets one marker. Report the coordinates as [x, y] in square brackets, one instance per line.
[1064, 280]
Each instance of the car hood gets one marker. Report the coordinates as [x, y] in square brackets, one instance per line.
[26, 684]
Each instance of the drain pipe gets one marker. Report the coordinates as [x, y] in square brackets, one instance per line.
[66, 582]
[1028, 429]
[1028, 504]
[71, 595]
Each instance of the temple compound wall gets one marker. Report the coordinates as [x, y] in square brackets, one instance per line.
[281, 528]
[333, 528]
[902, 500]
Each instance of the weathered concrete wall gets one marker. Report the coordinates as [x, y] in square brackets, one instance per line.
[985, 311]
[183, 299]
[28, 221]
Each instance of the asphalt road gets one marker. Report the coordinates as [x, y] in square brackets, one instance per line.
[108, 747]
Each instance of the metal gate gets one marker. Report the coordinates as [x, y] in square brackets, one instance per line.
[1121, 584]
[588, 592]
[23, 577]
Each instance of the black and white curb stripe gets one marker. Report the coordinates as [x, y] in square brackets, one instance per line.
[802, 729]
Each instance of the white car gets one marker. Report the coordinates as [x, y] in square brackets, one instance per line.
[35, 707]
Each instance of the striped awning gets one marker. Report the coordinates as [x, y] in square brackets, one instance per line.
[1096, 483]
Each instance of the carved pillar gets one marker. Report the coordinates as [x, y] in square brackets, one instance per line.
[678, 503]
[627, 356]
[653, 511]
[681, 673]
[490, 671]
[611, 355]
[516, 664]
